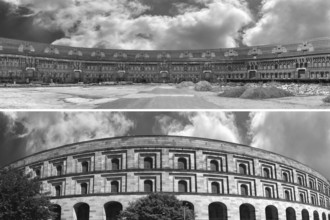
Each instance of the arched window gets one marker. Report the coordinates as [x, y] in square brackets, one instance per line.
[182, 163]
[214, 165]
[115, 164]
[285, 177]
[59, 170]
[300, 182]
[305, 214]
[148, 163]
[316, 215]
[82, 211]
[287, 195]
[290, 214]
[242, 169]
[247, 212]
[57, 190]
[323, 216]
[268, 192]
[311, 185]
[114, 187]
[84, 166]
[84, 188]
[147, 186]
[302, 198]
[57, 210]
[112, 210]
[266, 173]
[271, 213]
[313, 200]
[244, 190]
[215, 188]
[183, 186]
[218, 211]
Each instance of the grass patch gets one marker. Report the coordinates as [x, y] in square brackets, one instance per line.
[265, 93]
[235, 92]
[326, 99]
[203, 86]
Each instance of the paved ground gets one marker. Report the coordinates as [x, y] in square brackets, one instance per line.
[140, 97]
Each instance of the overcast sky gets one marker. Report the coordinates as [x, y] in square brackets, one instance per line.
[164, 24]
[304, 136]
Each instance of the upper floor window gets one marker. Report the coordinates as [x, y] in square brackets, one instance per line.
[147, 186]
[302, 198]
[286, 177]
[266, 173]
[244, 190]
[59, 171]
[242, 169]
[84, 189]
[58, 190]
[214, 165]
[300, 181]
[287, 195]
[182, 163]
[215, 188]
[268, 192]
[85, 167]
[38, 173]
[148, 163]
[114, 186]
[115, 164]
[183, 186]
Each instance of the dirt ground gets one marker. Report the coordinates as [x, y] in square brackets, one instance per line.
[141, 97]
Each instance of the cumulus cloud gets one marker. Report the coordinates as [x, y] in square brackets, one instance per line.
[124, 23]
[215, 125]
[47, 130]
[304, 136]
[285, 21]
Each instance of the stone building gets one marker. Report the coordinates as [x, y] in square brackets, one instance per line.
[219, 180]
[25, 62]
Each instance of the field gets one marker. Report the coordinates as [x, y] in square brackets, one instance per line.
[154, 96]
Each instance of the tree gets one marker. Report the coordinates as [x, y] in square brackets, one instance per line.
[20, 197]
[157, 206]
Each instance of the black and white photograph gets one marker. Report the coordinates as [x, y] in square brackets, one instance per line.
[168, 165]
[157, 54]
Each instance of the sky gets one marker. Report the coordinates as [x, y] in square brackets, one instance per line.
[303, 136]
[164, 24]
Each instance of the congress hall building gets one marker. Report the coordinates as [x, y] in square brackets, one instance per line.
[219, 180]
[31, 62]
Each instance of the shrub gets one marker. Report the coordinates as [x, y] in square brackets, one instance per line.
[203, 86]
[235, 92]
[265, 93]
[185, 84]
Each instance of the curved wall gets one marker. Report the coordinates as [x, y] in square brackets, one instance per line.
[219, 180]
[25, 62]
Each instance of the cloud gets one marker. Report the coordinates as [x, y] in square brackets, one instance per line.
[285, 21]
[304, 136]
[48, 130]
[217, 125]
[200, 24]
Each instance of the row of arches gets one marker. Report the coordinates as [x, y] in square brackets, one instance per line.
[216, 211]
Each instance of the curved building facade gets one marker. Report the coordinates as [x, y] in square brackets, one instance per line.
[25, 62]
[219, 180]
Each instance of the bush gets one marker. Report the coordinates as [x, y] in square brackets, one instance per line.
[265, 93]
[235, 92]
[326, 99]
[157, 206]
[203, 86]
[185, 84]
